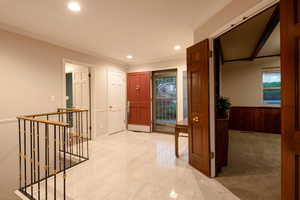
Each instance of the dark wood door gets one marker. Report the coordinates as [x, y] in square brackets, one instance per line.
[138, 95]
[198, 88]
[290, 68]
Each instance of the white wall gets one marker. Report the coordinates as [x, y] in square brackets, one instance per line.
[31, 72]
[180, 65]
[242, 81]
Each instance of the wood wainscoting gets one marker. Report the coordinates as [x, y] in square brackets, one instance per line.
[258, 119]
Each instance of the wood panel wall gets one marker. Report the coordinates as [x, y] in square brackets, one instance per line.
[258, 119]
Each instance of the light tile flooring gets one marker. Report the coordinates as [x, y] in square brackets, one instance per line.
[140, 166]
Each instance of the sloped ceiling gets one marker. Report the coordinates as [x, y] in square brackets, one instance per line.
[240, 42]
[272, 46]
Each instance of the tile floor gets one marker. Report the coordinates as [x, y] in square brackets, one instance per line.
[139, 166]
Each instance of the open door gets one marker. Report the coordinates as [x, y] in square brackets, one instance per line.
[198, 89]
[290, 65]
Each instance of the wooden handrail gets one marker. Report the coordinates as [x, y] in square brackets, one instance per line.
[43, 121]
[55, 113]
[60, 111]
[73, 109]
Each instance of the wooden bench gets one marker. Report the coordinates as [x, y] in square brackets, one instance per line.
[181, 127]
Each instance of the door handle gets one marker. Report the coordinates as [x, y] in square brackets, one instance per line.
[196, 119]
[128, 109]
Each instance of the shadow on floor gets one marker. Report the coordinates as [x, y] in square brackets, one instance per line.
[253, 171]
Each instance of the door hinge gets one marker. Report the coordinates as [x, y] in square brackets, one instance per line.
[90, 128]
[212, 155]
[210, 53]
[90, 75]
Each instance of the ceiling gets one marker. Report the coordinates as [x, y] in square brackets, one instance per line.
[240, 42]
[148, 30]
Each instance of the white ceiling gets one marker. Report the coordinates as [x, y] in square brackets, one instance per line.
[114, 28]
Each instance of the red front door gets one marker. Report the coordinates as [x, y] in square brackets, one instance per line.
[139, 100]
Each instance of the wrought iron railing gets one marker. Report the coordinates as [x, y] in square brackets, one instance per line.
[49, 145]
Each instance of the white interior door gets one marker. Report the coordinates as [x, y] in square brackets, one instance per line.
[81, 89]
[116, 101]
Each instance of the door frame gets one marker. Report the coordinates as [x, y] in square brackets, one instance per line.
[91, 91]
[227, 27]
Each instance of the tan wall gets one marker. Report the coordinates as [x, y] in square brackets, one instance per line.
[31, 73]
[242, 81]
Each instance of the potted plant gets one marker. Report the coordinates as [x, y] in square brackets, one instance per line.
[223, 105]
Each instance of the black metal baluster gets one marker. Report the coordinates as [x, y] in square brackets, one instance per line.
[25, 167]
[68, 141]
[79, 135]
[64, 176]
[34, 153]
[46, 162]
[87, 134]
[59, 142]
[48, 150]
[31, 164]
[76, 132]
[20, 156]
[71, 132]
[82, 135]
[38, 157]
[55, 162]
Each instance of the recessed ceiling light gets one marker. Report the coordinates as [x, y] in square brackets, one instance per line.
[129, 57]
[173, 194]
[177, 47]
[74, 6]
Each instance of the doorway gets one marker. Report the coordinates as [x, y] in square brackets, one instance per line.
[78, 89]
[164, 101]
[248, 75]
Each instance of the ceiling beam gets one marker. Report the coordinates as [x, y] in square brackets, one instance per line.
[248, 59]
[272, 23]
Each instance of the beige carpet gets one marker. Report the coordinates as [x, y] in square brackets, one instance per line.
[253, 171]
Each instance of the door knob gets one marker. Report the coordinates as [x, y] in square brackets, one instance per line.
[196, 119]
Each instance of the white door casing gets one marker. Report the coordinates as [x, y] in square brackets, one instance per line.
[116, 101]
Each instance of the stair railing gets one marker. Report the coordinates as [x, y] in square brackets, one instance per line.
[49, 145]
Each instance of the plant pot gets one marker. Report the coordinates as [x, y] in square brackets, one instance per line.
[222, 142]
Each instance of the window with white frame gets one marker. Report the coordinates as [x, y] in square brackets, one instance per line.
[271, 81]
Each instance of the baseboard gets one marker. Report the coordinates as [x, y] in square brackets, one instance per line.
[141, 128]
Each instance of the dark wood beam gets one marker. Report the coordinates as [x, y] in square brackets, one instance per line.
[248, 59]
[272, 23]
